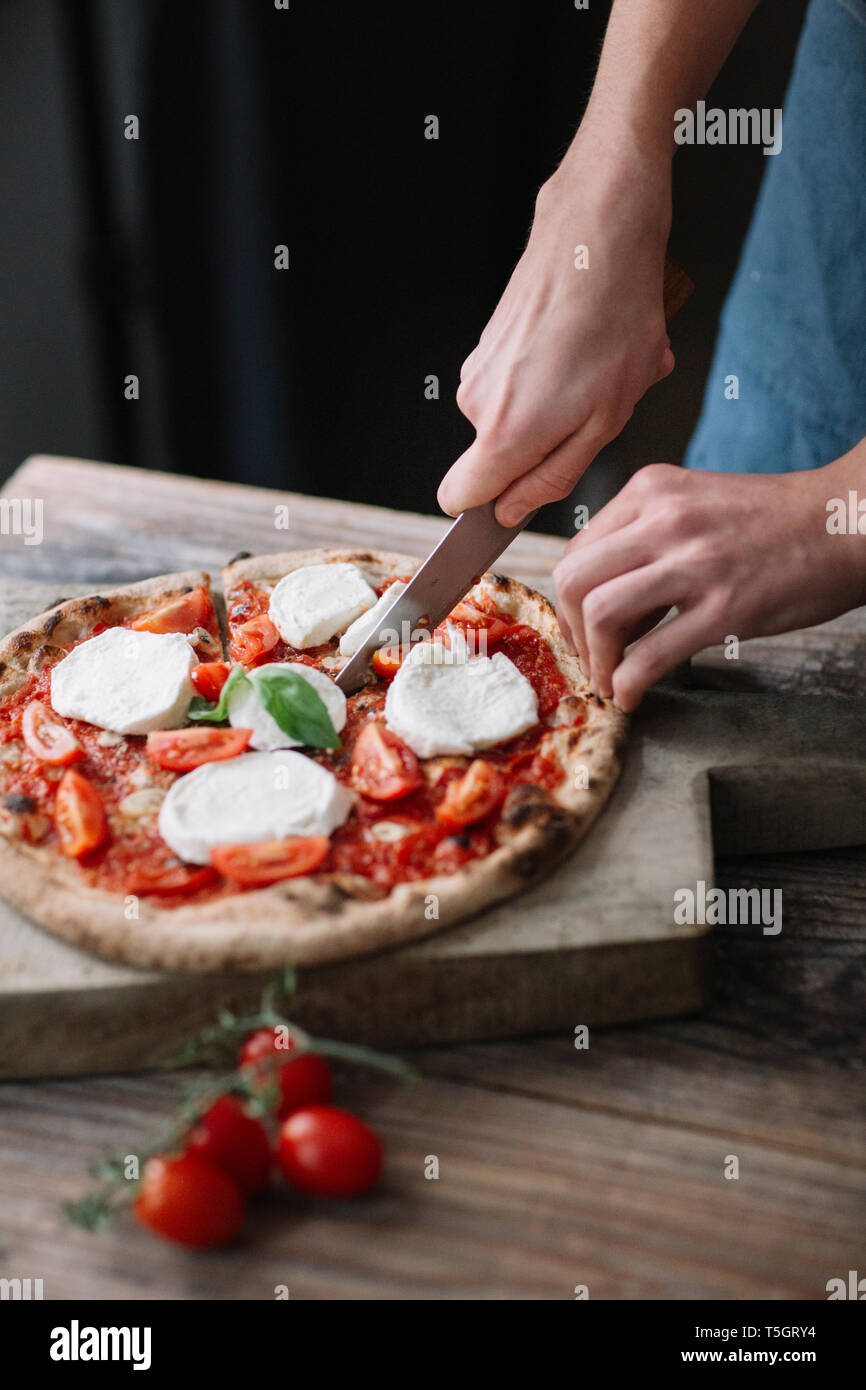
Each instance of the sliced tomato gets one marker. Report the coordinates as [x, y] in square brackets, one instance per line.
[168, 877]
[180, 750]
[383, 767]
[79, 815]
[209, 678]
[253, 639]
[472, 797]
[268, 861]
[182, 614]
[387, 661]
[472, 621]
[49, 740]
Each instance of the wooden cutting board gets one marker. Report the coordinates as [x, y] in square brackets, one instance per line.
[595, 943]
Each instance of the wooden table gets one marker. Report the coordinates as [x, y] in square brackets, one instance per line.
[558, 1167]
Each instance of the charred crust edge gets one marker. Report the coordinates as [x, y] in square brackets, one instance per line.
[528, 804]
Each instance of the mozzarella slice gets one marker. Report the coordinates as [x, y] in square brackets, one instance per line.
[355, 636]
[313, 603]
[257, 796]
[443, 702]
[246, 710]
[128, 682]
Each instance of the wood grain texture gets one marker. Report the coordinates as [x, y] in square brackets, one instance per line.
[829, 660]
[105, 524]
[558, 1166]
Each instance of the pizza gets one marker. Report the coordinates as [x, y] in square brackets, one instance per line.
[188, 795]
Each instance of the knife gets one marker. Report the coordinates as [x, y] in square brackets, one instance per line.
[469, 547]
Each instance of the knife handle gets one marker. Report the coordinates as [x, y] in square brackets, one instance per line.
[677, 288]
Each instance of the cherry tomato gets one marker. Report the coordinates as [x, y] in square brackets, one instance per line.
[79, 815]
[181, 614]
[180, 750]
[262, 1044]
[168, 878]
[383, 767]
[209, 677]
[268, 861]
[188, 1200]
[386, 662]
[252, 639]
[49, 740]
[328, 1152]
[472, 796]
[232, 1140]
[303, 1080]
[306, 1080]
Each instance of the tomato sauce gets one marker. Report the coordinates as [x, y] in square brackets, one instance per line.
[534, 659]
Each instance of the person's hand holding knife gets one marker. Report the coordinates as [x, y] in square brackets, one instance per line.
[568, 353]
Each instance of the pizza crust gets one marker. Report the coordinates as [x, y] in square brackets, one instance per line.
[327, 917]
[267, 569]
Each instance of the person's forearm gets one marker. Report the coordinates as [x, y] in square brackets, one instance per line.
[566, 356]
[658, 57]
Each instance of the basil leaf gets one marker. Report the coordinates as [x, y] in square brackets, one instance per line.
[298, 709]
[203, 712]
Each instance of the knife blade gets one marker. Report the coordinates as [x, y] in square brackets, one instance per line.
[469, 547]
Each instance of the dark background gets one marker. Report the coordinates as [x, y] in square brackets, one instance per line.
[306, 127]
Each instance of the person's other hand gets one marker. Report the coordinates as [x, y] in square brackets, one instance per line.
[568, 352]
[737, 555]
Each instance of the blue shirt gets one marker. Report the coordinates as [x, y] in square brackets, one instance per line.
[793, 328]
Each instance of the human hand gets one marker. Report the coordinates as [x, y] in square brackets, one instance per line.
[568, 352]
[737, 554]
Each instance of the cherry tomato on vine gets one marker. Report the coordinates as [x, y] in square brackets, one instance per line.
[329, 1152]
[233, 1141]
[186, 1199]
[303, 1080]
